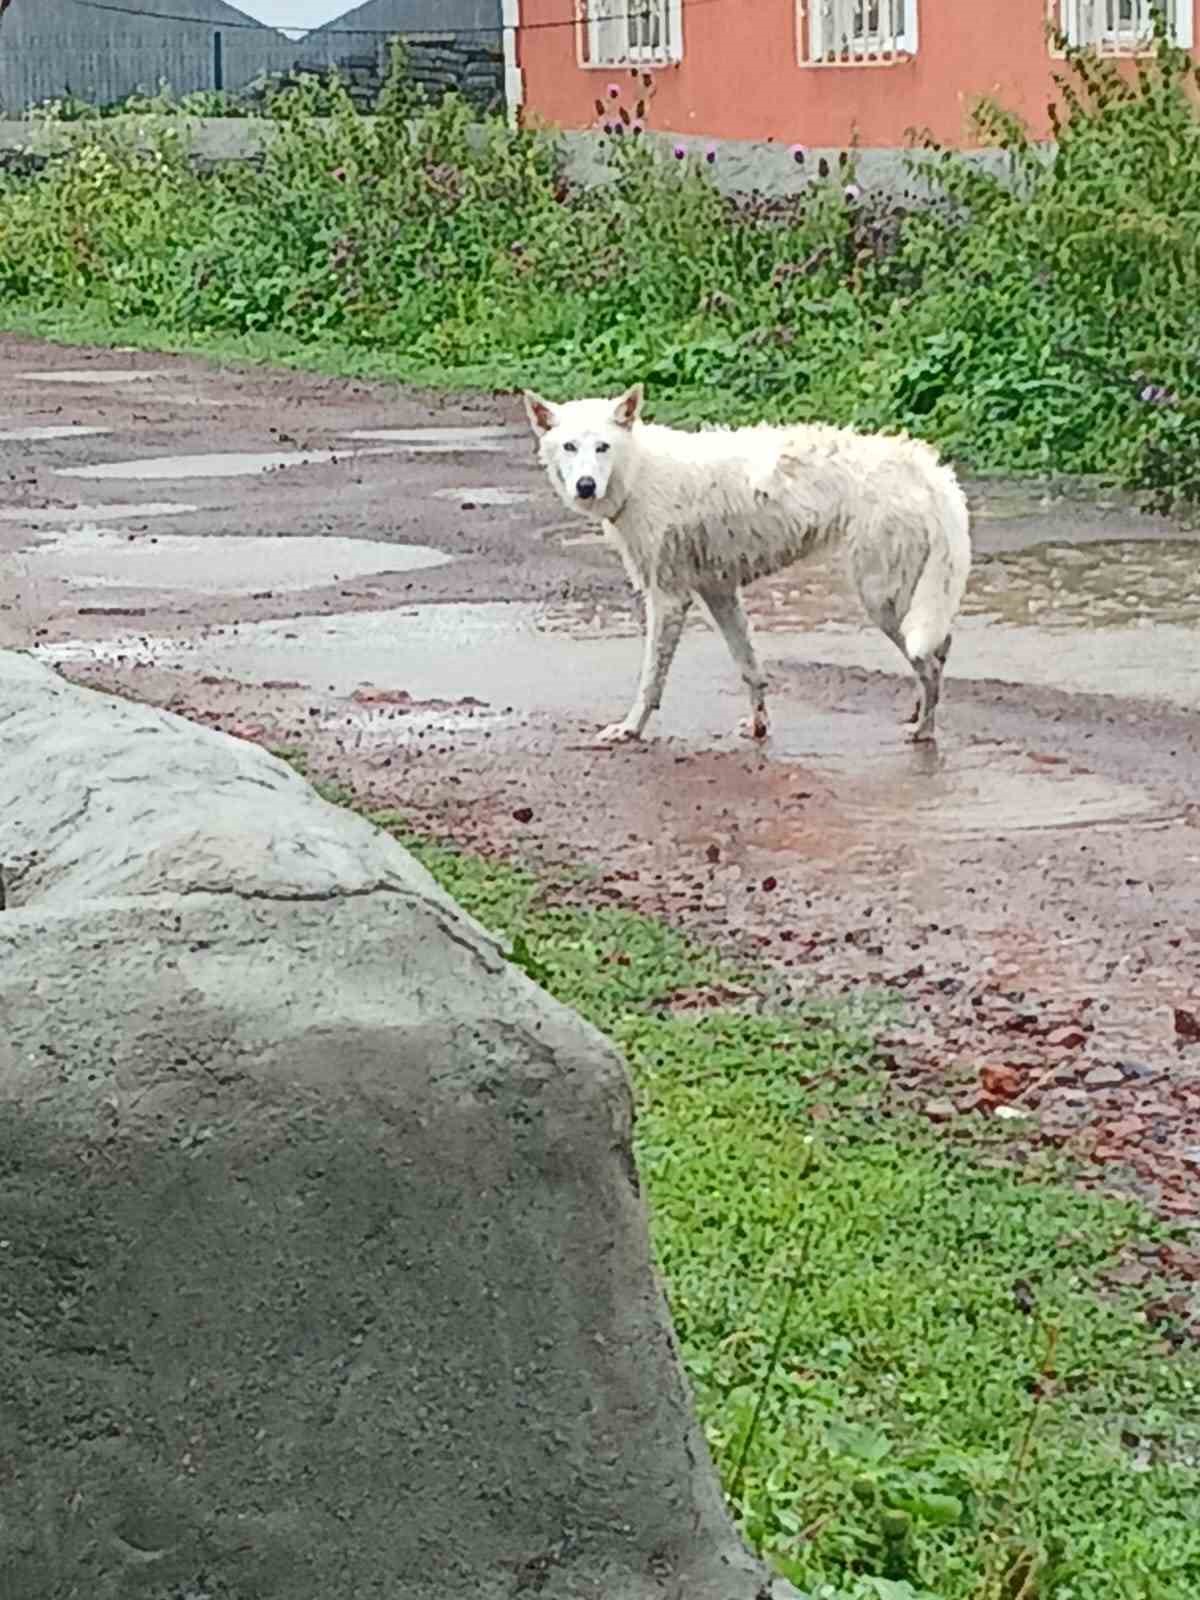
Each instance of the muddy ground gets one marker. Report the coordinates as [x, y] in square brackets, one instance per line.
[382, 578]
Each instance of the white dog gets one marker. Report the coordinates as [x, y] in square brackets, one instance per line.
[697, 515]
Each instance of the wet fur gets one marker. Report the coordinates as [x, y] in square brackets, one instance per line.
[696, 515]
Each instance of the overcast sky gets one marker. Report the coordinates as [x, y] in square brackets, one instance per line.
[296, 13]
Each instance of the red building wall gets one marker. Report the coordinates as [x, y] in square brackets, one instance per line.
[740, 77]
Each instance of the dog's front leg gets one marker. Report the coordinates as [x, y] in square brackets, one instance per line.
[665, 617]
[725, 607]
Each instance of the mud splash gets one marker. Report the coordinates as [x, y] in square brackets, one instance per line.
[220, 464]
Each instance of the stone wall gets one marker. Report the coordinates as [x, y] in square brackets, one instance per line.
[742, 167]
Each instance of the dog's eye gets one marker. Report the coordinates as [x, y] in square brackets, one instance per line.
[570, 448]
[603, 449]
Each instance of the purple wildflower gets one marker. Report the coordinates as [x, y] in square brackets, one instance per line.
[608, 127]
[797, 154]
[338, 174]
[710, 154]
[614, 91]
[853, 192]
[681, 152]
[637, 126]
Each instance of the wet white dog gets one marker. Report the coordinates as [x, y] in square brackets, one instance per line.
[697, 515]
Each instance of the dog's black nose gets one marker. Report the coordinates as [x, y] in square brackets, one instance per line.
[586, 488]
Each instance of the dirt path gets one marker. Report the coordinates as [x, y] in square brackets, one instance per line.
[382, 578]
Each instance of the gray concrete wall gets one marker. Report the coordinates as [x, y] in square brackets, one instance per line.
[741, 166]
[744, 166]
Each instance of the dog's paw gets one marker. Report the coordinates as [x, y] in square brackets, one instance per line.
[618, 733]
[919, 735]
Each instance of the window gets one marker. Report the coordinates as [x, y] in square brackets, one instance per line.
[629, 33]
[1121, 27]
[856, 33]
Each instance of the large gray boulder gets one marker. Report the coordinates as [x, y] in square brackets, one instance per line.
[323, 1268]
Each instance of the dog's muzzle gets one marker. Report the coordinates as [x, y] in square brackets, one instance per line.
[586, 488]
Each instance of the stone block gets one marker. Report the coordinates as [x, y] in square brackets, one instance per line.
[323, 1262]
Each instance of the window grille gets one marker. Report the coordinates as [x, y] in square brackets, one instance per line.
[1120, 27]
[629, 33]
[856, 33]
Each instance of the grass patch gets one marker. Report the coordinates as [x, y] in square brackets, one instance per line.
[1030, 323]
[914, 1436]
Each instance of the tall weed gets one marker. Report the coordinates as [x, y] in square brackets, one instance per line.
[1041, 319]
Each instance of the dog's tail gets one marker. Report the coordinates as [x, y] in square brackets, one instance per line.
[938, 592]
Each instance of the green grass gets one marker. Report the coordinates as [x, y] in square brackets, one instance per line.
[911, 1365]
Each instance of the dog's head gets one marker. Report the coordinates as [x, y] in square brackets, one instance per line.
[584, 447]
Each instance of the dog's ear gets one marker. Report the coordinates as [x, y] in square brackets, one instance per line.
[628, 408]
[542, 415]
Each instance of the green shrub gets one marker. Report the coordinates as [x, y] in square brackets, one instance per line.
[1038, 320]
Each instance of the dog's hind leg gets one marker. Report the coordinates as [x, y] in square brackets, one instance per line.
[725, 607]
[929, 671]
[665, 617]
[888, 624]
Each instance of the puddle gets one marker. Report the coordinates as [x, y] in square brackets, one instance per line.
[484, 497]
[1087, 508]
[1115, 617]
[51, 516]
[524, 653]
[992, 790]
[1102, 584]
[490, 650]
[993, 500]
[498, 654]
[96, 375]
[221, 464]
[440, 441]
[35, 434]
[1159, 662]
[91, 557]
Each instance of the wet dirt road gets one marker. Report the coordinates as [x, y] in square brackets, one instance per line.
[383, 578]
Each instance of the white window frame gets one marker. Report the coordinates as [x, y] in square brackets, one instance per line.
[1085, 25]
[856, 33]
[610, 34]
